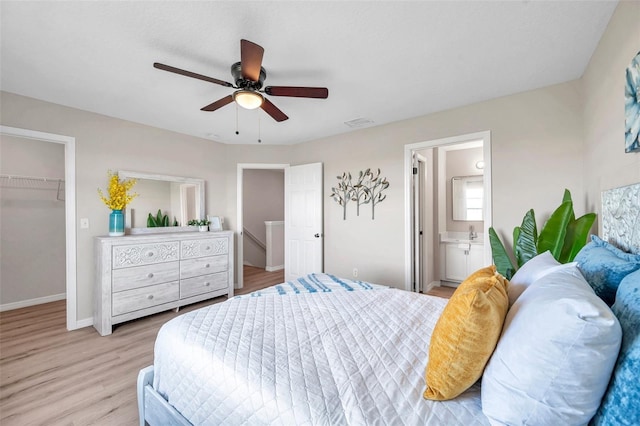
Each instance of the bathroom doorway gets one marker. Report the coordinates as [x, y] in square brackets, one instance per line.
[429, 208]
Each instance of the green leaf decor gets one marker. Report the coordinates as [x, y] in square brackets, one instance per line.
[562, 234]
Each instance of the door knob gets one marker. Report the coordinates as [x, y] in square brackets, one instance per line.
[317, 235]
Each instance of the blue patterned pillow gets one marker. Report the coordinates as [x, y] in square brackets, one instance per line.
[621, 402]
[604, 266]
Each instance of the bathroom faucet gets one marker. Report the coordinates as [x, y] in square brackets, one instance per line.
[472, 233]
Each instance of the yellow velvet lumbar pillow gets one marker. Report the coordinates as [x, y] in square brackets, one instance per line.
[466, 334]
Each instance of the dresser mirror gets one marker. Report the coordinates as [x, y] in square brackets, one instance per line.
[467, 196]
[180, 198]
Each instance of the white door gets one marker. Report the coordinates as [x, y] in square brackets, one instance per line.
[303, 220]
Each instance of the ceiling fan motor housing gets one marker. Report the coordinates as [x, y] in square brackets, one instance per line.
[242, 83]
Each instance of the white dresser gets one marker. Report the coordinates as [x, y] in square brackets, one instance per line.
[140, 275]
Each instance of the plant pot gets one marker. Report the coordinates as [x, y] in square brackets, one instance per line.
[203, 228]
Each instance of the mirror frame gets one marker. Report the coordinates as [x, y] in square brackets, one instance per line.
[128, 174]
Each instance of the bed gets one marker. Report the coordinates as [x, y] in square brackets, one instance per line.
[325, 350]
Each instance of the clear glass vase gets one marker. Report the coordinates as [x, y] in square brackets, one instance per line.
[116, 223]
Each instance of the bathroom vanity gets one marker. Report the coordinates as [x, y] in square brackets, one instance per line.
[460, 256]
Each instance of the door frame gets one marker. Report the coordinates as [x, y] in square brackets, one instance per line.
[69, 210]
[409, 149]
[420, 261]
[241, 167]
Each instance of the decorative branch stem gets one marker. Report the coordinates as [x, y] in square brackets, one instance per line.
[342, 193]
[359, 191]
[378, 184]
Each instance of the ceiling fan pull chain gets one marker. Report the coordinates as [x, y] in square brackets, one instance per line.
[237, 132]
[259, 139]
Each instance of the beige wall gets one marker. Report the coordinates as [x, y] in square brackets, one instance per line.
[32, 223]
[537, 130]
[105, 143]
[541, 144]
[536, 142]
[606, 165]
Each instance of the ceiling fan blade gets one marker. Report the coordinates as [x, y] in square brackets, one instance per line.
[273, 111]
[298, 92]
[250, 60]
[218, 104]
[190, 74]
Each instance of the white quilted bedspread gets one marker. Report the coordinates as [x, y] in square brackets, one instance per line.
[352, 357]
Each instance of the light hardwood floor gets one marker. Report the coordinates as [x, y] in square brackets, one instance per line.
[50, 376]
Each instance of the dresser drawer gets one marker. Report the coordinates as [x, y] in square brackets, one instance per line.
[142, 276]
[203, 266]
[190, 249]
[127, 256]
[203, 284]
[144, 297]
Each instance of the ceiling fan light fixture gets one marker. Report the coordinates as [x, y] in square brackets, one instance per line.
[248, 99]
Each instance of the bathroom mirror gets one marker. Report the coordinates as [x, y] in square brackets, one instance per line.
[467, 197]
[180, 198]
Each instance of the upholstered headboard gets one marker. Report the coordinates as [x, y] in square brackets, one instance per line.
[621, 217]
[621, 227]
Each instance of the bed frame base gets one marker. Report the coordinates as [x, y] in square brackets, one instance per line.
[153, 409]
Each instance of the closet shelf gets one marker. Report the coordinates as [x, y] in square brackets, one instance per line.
[33, 182]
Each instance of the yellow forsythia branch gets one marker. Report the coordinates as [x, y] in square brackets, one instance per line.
[119, 195]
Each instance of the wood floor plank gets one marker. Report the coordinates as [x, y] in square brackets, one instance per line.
[51, 376]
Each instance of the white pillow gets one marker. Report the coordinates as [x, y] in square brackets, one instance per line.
[532, 270]
[554, 358]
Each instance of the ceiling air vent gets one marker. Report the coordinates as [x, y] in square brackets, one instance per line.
[358, 122]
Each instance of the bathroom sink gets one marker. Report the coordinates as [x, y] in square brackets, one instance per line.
[462, 241]
[456, 238]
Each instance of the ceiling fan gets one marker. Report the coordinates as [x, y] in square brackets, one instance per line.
[249, 75]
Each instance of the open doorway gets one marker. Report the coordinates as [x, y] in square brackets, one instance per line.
[251, 211]
[69, 215]
[429, 225]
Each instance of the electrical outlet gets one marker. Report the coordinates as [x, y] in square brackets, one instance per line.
[355, 272]
[84, 223]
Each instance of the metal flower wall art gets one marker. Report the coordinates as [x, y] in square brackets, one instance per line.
[366, 189]
[632, 106]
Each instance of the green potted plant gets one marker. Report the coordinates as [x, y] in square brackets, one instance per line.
[562, 234]
[202, 224]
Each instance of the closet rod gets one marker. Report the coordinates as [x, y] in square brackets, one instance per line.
[34, 178]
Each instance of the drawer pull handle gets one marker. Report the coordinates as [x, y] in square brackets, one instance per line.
[206, 284]
[150, 254]
[149, 275]
[206, 266]
[150, 296]
[208, 248]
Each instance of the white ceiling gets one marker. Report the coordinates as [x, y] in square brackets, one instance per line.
[381, 60]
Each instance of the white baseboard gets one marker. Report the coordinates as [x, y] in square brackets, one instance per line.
[274, 268]
[430, 286]
[33, 302]
[87, 322]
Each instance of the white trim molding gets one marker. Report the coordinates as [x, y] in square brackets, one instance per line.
[32, 302]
